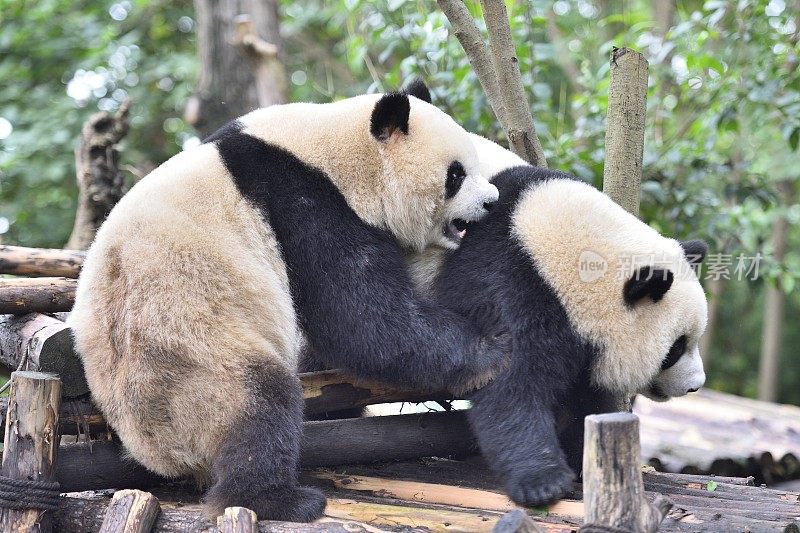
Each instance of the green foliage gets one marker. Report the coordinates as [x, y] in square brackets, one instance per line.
[723, 110]
[63, 60]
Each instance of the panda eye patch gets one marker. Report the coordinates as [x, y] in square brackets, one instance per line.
[455, 177]
[675, 352]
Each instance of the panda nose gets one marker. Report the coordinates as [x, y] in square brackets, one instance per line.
[488, 205]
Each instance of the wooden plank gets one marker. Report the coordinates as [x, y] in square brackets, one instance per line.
[31, 443]
[418, 492]
[22, 261]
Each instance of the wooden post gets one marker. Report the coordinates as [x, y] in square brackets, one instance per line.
[131, 511]
[41, 343]
[237, 520]
[31, 443]
[627, 105]
[613, 490]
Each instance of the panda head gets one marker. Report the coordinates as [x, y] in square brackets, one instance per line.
[431, 177]
[681, 369]
[628, 291]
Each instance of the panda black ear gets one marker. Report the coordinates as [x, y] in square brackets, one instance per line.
[418, 89]
[695, 251]
[390, 114]
[647, 281]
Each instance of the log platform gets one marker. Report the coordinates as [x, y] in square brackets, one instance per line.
[461, 495]
[412, 472]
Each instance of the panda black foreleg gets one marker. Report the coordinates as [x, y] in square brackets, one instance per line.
[257, 465]
[583, 400]
[516, 432]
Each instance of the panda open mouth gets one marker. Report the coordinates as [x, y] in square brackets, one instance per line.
[456, 229]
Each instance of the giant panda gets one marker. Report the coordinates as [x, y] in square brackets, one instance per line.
[284, 230]
[599, 307]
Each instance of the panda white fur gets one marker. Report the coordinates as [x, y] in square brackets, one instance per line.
[599, 307]
[284, 228]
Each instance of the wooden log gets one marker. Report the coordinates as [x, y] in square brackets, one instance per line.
[43, 344]
[31, 443]
[612, 481]
[517, 521]
[99, 465]
[330, 390]
[79, 416]
[627, 94]
[237, 520]
[81, 513]
[323, 391]
[36, 262]
[19, 296]
[131, 511]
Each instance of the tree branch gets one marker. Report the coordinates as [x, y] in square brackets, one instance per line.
[520, 130]
[100, 182]
[478, 55]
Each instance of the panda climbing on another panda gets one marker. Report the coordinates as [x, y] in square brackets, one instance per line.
[283, 230]
[599, 307]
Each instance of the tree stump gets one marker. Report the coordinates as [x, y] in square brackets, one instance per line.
[237, 520]
[613, 490]
[31, 443]
[131, 511]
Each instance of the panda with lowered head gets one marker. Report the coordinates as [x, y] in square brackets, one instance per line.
[599, 307]
[285, 229]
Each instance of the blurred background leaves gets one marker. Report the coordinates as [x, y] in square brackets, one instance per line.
[723, 113]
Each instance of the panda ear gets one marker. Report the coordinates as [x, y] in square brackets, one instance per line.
[390, 114]
[647, 281]
[418, 89]
[695, 251]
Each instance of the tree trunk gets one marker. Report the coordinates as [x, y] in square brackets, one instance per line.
[663, 15]
[627, 106]
[100, 182]
[773, 306]
[715, 287]
[236, 79]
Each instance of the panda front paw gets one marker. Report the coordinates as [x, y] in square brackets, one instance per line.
[489, 358]
[532, 488]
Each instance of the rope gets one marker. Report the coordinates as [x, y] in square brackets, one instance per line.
[25, 494]
[600, 528]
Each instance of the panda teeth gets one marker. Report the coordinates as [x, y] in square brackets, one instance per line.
[452, 232]
[460, 224]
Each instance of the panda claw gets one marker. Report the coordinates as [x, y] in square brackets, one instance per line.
[541, 488]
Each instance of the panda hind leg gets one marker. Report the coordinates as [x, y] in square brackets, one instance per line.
[257, 464]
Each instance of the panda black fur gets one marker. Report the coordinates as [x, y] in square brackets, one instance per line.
[284, 230]
[578, 346]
